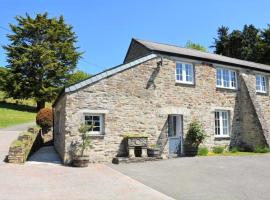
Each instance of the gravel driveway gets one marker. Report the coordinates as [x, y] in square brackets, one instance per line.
[42, 179]
[210, 178]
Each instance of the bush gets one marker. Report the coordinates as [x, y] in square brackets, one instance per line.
[203, 151]
[218, 149]
[234, 150]
[194, 138]
[45, 118]
[196, 133]
[261, 150]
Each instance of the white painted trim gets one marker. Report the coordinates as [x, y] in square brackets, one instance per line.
[184, 81]
[266, 84]
[109, 73]
[101, 124]
[222, 80]
[221, 124]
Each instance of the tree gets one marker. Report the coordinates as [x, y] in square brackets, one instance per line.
[222, 42]
[41, 56]
[249, 44]
[77, 76]
[191, 45]
[3, 74]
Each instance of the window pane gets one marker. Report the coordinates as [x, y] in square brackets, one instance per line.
[96, 129]
[217, 125]
[188, 73]
[219, 77]
[226, 80]
[225, 123]
[87, 117]
[96, 118]
[233, 79]
[179, 72]
[263, 83]
[94, 121]
[260, 83]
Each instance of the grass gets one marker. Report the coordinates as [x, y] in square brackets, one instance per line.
[239, 153]
[13, 111]
[12, 114]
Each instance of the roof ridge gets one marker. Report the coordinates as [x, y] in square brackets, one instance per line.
[195, 50]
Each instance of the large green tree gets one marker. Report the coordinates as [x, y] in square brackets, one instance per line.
[41, 56]
[250, 43]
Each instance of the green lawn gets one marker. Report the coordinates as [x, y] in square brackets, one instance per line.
[239, 153]
[12, 114]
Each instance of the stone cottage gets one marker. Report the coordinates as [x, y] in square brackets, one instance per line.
[159, 90]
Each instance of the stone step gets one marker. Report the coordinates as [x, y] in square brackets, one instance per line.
[118, 160]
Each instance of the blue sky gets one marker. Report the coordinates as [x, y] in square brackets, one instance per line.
[105, 28]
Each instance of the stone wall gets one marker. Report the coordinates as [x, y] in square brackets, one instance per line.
[140, 99]
[59, 131]
[21, 148]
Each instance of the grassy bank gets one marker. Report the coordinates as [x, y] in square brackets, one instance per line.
[13, 114]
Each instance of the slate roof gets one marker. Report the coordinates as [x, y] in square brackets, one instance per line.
[172, 49]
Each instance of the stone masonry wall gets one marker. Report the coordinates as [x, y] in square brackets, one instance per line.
[140, 100]
[59, 127]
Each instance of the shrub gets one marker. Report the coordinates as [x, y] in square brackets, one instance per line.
[194, 138]
[261, 149]
[218, 149]
[203, 151]
[234, 149]
[45, 118]
[196, 133]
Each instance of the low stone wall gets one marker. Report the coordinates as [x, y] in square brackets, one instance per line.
[22, 147]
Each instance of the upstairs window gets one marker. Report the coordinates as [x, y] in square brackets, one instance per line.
[96, 121]
[184, 73]
[260, 83]
[226, 78]
[222, 123]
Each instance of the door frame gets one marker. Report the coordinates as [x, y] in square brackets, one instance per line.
[180, 131]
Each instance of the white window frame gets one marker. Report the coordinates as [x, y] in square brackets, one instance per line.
[101, 123]
[261, 77]
[230, 71]
[221, 124]
[184, 77]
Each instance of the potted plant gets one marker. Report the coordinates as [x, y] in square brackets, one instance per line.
[195, 136]
[80, 158]
[153, 151]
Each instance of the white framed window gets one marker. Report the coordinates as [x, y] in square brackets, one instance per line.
[261, 83]
[184, 73]
[222, 123]
[96, 121]
[226, 78]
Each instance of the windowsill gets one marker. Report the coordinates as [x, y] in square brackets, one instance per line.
[99, 135]
[184, 82]
[221, 137]
[261, 92]
[227, 88]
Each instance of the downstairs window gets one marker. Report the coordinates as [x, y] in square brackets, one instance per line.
[222, 128]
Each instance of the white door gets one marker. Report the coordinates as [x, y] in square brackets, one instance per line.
[175, 134]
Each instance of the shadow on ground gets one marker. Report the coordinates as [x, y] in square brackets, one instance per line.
[45, 154]
[18, 107]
